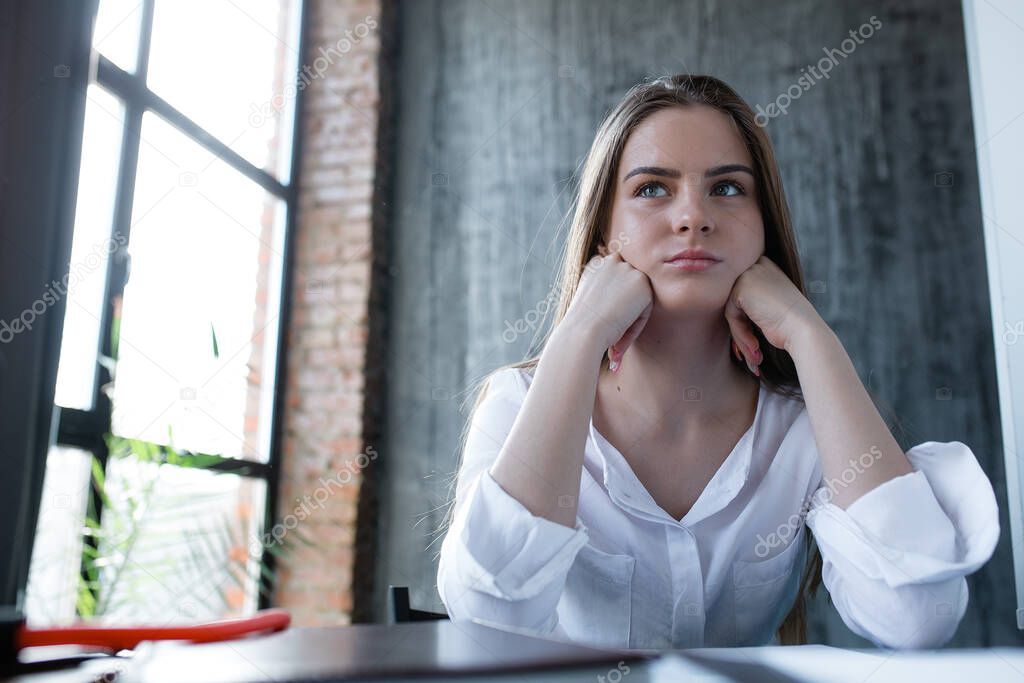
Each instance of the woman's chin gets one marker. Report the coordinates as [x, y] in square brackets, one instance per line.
[691, 299]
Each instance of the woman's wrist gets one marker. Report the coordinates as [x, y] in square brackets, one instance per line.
[580, 332]
[810, 330]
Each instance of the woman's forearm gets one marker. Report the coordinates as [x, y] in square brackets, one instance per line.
[541, 461]
[857, 450]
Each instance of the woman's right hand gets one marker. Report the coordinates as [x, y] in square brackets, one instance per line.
[616, 299]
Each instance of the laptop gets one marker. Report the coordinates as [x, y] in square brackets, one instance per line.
[440, 648]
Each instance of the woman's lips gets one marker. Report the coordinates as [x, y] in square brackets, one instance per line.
[692, 264]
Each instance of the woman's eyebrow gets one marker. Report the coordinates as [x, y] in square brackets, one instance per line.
[673, 173]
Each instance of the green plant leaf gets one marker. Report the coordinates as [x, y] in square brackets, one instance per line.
[85, 602]
[98, 479]
[115, 336]
[213, 335]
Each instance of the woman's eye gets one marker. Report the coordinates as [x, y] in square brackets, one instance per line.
[728, 183]
[644, 190]
[640, 192]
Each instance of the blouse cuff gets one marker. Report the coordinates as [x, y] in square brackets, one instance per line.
[935, 523]
[509, 552]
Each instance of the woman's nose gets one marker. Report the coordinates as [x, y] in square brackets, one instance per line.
[691, 211]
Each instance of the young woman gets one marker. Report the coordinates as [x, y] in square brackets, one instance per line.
[693, 432]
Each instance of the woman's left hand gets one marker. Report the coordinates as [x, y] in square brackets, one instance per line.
[765, 296]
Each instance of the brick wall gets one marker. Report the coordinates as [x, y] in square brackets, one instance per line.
[327, 447]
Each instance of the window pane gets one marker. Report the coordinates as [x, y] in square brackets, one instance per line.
[199, 318]
[116, 32]
[57, 552]
[176, 543]
[225, 65]
[91, 247]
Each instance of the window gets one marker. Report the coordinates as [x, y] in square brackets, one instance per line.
[162, 478]
[990, 38]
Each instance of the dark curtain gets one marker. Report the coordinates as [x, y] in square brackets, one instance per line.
[44, 71]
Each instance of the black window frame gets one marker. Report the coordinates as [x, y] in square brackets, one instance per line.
[84, 429]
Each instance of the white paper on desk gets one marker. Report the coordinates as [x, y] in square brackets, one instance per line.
[672, 667]
[811, 663]
[823, 663]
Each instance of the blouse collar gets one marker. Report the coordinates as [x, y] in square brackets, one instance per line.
[626, 490]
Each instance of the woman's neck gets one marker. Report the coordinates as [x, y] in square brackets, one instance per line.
[678, 376]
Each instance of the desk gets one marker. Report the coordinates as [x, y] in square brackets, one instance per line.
[267, 658]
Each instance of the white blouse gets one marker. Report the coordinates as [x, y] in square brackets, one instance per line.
[727, 573]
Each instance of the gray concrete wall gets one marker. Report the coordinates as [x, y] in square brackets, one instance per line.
[498, 102]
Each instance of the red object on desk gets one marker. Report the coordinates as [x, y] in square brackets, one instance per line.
[126, 638]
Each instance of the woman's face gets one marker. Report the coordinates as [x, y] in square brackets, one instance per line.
[686, 180]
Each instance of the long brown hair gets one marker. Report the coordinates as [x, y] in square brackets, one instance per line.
[591, 220]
